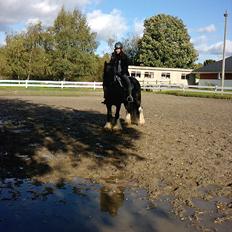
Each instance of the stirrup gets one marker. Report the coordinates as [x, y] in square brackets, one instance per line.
[130, 98]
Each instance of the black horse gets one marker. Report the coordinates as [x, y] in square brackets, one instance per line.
[117, 95]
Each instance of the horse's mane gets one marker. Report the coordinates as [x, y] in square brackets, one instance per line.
[109, 73]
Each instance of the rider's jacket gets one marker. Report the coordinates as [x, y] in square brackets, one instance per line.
[120, 62]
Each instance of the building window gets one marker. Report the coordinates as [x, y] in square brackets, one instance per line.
[165, 75]
[183, 76]
[136, 74]
[149, 75]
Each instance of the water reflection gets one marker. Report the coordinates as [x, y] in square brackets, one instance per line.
[78, 206]
[111, 199]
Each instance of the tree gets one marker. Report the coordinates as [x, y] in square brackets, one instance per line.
[166, 43]
[100, 66]
[26, 54]
[63, 51]
[4, 67]
[209, 61]
[16, 56]
[38, 59]
[111, 41]
[74, 46]
[130, 47]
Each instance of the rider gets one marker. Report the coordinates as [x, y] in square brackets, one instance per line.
[120, 61]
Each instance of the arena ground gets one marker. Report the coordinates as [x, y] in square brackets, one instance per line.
[184, 150]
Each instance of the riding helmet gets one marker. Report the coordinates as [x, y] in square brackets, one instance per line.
[118, 45]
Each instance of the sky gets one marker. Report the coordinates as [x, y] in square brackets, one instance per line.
[204, 19]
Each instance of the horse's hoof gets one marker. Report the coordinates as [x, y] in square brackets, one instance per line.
[141, 119]
[128, 119]
[117, 126]
[108, 126]
[141, 123]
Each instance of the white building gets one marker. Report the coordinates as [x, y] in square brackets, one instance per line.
[153, 75]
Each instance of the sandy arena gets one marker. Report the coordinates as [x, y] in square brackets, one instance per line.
[184, 150]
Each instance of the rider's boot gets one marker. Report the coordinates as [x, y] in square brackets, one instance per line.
[129, 97]
[129, 89]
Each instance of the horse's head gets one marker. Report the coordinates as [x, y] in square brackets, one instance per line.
[109, 72]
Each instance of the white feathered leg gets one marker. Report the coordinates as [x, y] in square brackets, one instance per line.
[141, 116]
[108, 126]
[128, 118]
[117, 125]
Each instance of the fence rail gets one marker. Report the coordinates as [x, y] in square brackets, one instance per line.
[186, 88]
[51, 84]
[152, 86]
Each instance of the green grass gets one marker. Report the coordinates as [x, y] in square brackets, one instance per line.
[196, 94]
[43, 91]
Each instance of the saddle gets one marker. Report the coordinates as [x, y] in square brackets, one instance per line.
[119, 80]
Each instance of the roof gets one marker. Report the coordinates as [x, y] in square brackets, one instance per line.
[146, 68]
[216, 67]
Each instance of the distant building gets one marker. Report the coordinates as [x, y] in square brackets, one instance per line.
[211, 74]
[154, 75]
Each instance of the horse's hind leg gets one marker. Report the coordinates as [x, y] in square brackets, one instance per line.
[117, 125]
[128, 113]
[139, 109]
[128, 118]
[141, 116]
[108, 125]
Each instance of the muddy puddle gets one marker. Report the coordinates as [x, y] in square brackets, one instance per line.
[81, 206]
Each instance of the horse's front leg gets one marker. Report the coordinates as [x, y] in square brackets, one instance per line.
[117, 125]
[108, 125]
[128, 118]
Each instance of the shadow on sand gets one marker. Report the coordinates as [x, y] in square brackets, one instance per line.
[39, 140]
[33, 137]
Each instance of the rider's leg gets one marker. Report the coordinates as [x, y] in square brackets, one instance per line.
[129, 87]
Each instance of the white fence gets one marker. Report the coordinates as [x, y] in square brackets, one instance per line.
[190, 88]
[145, 85]
[50, 84]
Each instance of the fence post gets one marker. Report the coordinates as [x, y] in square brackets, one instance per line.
[183, 88]
[62, 84]
[94, 86]
[215, 89]
[26, 84]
